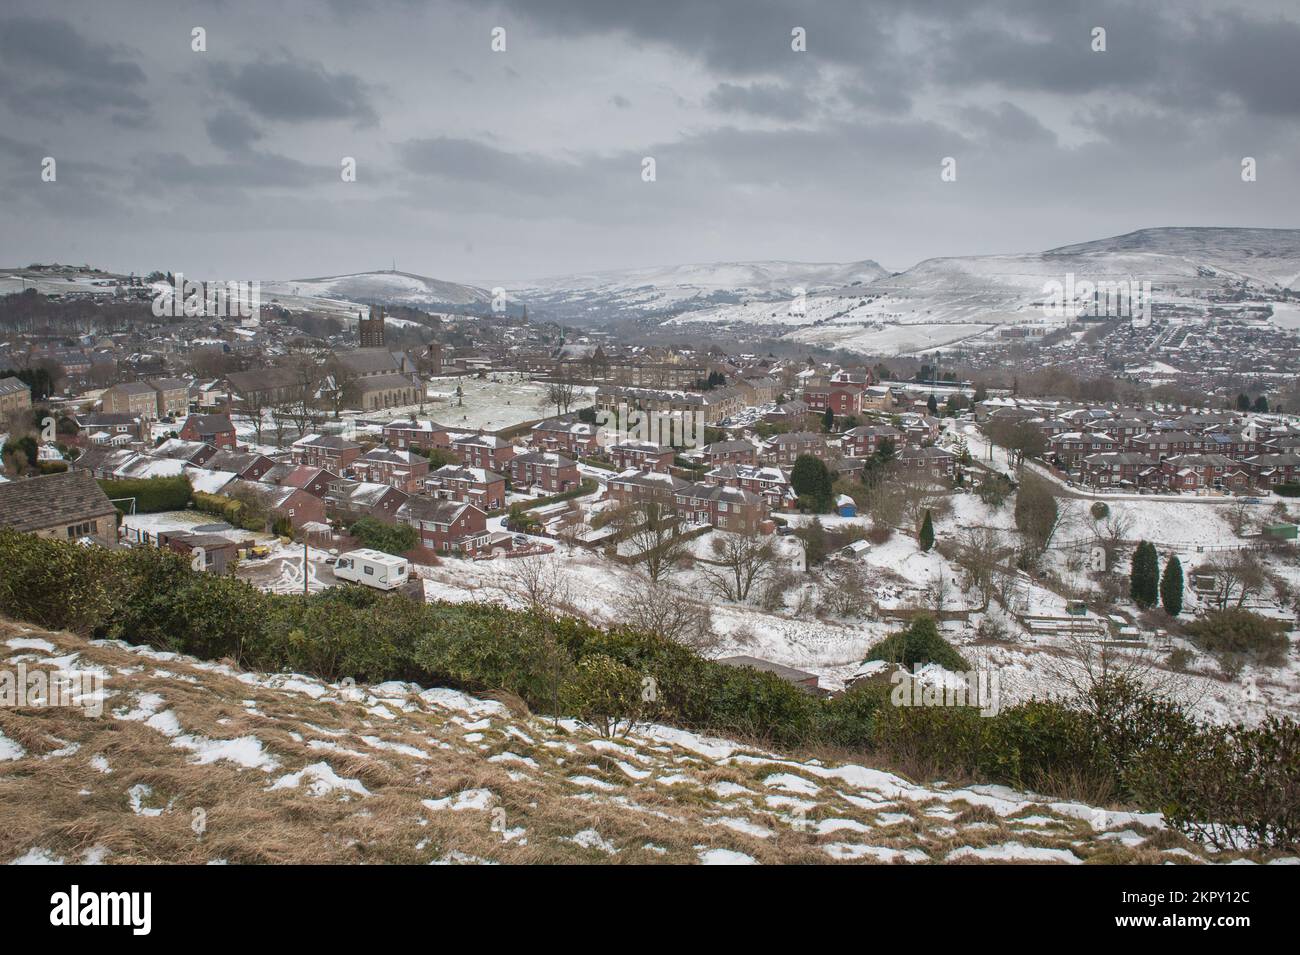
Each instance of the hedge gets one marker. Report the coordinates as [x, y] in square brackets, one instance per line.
[586, 487]
[151, 494]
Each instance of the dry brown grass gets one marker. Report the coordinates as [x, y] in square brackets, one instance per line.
[54, 799]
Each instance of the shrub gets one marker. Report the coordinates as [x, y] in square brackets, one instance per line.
[1100, 510]
[604, 693]
[1287, 490]
[1238, 631]
[394, 539]
[920, 643]
[151, 494]
[1233, 787]
[55, 584]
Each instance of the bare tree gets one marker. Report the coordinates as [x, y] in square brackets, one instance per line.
[1020, 439]
[535, 582]
[1238, 576]
[847, 596]
[1239, 516]
[667, 612]
[738, 563]
[982, 556]
[1112, 531]
[654, 529]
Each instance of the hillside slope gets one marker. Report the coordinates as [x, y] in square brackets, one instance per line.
[605, 296]
[943, 300]
[195, 762]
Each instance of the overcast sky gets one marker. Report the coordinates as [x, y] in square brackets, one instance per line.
[475, 165]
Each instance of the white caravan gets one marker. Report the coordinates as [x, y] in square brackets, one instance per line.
[373, 568]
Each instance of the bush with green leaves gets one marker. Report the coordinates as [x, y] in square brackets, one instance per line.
[1235, 630]
[919, 644]
[1232, 787]
[812, 480]
[151, 494]
[394, 539]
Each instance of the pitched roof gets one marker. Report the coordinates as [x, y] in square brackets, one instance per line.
[53, 499]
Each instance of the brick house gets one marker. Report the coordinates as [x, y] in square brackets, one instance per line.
[447, 527]
[327, 451]
[315, 481]
[197, 453]
[726, 508]
[937, 461]
[784, 448]
[214, 429]
[1189, 472]
[1106, 469]
[552, 473]
[289, 503]
[730, 452]
[864, 441]
[566, 434]
[172, 396]
[1268, 470]
[15, 397]
[349, 500]
[248, 465]
[131, 397]
[484, 451]
[1162, 444]
[642, 456]
[400, 469]
[485, 489]
[1069, 448]
[770, 483]
[68, 506]
[417, 433]
[634, 487]
[843, 398]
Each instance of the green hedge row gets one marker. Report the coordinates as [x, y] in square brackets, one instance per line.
[151, 494]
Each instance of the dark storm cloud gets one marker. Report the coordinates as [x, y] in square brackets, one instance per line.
[232, 131]
[47, 67]
[296, 92]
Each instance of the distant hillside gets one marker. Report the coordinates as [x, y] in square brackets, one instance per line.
[383, 288]
[943, 300]
[666, 290]
[1264, 256]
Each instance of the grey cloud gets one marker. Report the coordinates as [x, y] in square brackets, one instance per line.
[761, 99]
[296, 92]
[51, 69]
[232, 131]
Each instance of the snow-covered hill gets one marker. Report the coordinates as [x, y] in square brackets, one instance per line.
[604, 296]
[1264, 256]
[383, 288]
[944, 300]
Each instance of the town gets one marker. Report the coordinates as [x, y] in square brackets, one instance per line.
[711, 433]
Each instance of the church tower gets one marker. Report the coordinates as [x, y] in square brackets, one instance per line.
[371, 330]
